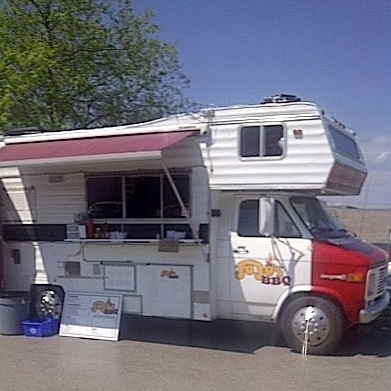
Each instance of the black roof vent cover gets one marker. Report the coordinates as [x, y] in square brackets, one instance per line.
[282, 98]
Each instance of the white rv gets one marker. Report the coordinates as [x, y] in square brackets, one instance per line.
[196, 216]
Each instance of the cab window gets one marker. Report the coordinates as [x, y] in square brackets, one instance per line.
[248, 222]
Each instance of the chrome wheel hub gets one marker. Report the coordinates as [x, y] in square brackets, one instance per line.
[317, 328]
[49, 304]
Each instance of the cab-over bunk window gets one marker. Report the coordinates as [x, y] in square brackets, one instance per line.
[262, 141]
[344, 145]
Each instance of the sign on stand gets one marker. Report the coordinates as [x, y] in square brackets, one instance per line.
[91, 315]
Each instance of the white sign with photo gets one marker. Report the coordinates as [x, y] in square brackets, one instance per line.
[91, 315]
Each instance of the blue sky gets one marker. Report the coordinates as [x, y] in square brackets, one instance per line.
[333, 52]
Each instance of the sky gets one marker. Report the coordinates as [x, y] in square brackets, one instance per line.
[336, 53]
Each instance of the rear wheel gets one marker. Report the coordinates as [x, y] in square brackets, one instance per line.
[325, 326]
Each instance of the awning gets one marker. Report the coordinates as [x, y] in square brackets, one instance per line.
[138, 146]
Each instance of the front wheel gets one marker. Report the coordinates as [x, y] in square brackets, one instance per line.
[321, 329]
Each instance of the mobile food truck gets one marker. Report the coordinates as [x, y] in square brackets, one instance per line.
[196, 216]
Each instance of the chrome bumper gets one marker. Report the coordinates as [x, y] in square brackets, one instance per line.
[371, 313]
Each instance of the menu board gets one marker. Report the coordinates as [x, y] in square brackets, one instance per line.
[91, 315]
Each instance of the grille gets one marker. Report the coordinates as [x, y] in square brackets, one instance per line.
[376, 283]
[381, 279]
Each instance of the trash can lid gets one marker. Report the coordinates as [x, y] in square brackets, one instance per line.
[6, 294]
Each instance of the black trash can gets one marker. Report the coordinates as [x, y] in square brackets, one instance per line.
[14, 309]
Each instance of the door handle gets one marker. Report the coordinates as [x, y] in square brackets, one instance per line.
[240, 250]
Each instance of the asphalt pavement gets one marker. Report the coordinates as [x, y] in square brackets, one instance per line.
[157, 354]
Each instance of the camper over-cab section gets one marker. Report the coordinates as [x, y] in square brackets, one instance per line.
[280, 144]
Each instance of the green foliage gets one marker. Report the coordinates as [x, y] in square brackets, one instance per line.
[68, 64]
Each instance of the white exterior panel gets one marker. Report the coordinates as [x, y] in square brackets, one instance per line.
[305, 165]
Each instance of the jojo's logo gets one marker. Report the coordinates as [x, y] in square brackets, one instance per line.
[106, 307]
[269, 273]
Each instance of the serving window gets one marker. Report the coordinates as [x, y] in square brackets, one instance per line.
[147, 196]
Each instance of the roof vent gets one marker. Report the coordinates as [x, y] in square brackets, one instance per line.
[282, 98]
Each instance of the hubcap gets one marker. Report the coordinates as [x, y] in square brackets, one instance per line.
[318, 326]
[49, 304]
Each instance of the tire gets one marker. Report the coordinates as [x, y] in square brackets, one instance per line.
[325, 325]
[46, 301]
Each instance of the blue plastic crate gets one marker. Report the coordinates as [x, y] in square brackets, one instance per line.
[40, 328]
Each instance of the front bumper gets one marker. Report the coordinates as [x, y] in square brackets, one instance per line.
[369, 314]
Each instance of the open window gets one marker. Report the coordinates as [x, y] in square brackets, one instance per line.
[153, 196]
[147, 196]
[248, 222]
[104, 196]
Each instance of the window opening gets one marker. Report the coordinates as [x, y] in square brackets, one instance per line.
[248, 222]
[316, 217]
[285, 227]
[143, 197]
[250, 141]
[274, 138]
[262, 141]
[171, 206]
[344, 145]
[104, 196]
[139, 196]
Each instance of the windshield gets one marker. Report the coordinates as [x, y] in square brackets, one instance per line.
[317, 219]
